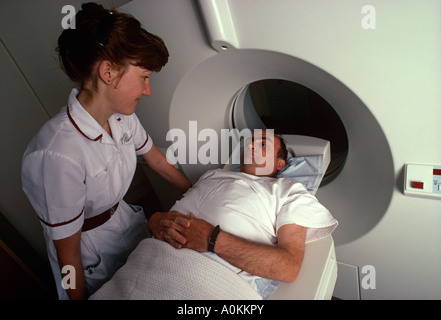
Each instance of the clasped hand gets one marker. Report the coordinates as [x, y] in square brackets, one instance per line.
[180, 230]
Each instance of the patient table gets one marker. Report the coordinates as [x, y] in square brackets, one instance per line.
[317, 276]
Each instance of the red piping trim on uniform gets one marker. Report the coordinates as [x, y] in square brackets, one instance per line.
[61, 223]
[76, 127]
[143, 144]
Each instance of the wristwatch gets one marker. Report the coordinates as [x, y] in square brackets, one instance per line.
[213, 238]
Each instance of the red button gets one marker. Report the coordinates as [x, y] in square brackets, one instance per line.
[417, 185]
[437, 172]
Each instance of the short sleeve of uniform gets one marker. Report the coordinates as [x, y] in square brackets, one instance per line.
[143, 142]
[55, 186]
[302, 208]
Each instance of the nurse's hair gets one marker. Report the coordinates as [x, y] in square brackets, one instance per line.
[102, 34]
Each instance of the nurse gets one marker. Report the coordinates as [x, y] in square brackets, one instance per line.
[80, 164]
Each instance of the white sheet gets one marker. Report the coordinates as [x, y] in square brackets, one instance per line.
[157, 271]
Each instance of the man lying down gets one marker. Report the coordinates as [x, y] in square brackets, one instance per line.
[250, 227]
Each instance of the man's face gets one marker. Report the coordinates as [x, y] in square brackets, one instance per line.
[259, 156]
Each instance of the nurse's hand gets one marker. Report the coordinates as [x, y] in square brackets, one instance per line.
[168, 226]
[197, 234]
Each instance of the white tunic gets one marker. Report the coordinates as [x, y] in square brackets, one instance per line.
[254, 208]
[73, 170]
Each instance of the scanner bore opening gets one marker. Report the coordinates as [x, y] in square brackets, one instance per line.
[291, 108]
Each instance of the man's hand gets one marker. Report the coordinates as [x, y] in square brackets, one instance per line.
[197, 234]
[169, 226]
[182, 231]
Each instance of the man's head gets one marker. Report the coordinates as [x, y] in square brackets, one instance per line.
[264, 154]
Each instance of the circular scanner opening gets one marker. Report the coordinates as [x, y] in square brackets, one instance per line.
[359, 196]
[291, 108]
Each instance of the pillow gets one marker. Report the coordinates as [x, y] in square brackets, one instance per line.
[306, 169]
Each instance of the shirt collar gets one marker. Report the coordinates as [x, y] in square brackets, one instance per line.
[83, 121]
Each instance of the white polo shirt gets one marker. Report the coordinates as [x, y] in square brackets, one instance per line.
[73, 169]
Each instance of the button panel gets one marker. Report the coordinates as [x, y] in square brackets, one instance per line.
[422, 180]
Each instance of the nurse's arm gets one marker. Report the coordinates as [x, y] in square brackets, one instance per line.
[69, 254]
[159, 224]
[157, 161]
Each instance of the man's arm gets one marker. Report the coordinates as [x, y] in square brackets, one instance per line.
[280, 263]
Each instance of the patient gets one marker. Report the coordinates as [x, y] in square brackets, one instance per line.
[263, 222]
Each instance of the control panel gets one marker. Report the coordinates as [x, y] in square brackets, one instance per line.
[422, 180]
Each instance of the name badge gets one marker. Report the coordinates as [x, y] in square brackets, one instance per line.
[125, 138]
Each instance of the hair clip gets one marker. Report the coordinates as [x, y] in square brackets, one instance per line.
[103, 28]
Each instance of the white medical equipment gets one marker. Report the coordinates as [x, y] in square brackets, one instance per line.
[317, 276]
[209, 74]
[383, 86]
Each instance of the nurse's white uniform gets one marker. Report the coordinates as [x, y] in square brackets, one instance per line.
[74, 170]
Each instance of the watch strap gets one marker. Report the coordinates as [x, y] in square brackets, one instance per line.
[213, 238]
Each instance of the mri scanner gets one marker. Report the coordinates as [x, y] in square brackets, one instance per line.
[376, 64]
[382, 81]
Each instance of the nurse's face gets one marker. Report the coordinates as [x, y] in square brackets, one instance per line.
[129, 89]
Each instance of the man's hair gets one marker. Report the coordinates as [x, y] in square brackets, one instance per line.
[283, 152]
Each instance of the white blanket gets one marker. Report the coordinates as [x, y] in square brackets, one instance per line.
[157, 271]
